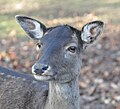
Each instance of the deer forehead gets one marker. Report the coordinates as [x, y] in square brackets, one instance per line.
[59, 36]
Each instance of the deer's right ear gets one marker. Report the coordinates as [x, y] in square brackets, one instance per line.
[32, 27]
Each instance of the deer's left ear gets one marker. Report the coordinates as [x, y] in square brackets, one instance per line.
[91, 31]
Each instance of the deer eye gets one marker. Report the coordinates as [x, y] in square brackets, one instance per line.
[72, 49]
[38, 46]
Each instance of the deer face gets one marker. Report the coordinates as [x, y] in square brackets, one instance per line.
[60, 48]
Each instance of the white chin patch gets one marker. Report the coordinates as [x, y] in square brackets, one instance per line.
[42, 78]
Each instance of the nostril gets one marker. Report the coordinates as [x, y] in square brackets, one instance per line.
[44, 68]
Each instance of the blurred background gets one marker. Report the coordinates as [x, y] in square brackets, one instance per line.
[100, 74]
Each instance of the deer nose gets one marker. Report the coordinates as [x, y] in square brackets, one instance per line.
[39, 69]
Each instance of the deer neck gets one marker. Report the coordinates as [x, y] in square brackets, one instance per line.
[63, 96]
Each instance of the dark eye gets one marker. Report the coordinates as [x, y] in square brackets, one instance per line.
[72, 49]
[39, 45]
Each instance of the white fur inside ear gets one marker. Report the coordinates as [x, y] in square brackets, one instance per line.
[91, 31]
[38, 31]
[86, 35]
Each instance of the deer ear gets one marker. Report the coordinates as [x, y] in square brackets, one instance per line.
[91, 31]
[32, 27]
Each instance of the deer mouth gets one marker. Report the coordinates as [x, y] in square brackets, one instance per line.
[43, 78]
[46, 76]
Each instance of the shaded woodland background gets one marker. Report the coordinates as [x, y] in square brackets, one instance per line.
[100, 74]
